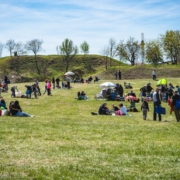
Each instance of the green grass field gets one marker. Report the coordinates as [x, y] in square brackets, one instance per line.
[64, 141]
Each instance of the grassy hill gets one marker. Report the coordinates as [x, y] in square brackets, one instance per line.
[52, 65]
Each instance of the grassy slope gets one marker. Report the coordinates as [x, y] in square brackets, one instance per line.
[52, 65]
[64, 141]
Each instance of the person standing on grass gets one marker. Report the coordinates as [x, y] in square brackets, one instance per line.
[154, 75]
[34, 90]
[175, 98]
[53, 82]
[45, 87]
[144, 108]
[116, 74]
[57, 82]
[68, 80]
[49, 88]
[157, 103]
[28, 91]
[178, 90]
[119, 75]
[37, 86]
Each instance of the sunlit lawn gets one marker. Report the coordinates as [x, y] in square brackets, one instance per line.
[64, 141]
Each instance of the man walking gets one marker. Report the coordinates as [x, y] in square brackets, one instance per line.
[176, 109]
[157, 103]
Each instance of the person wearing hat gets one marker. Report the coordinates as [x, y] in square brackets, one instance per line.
[175, 98]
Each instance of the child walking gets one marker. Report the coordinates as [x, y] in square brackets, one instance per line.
[144, 108]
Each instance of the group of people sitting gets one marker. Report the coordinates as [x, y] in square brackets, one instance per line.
[14, 108]
[119, 111]
[82, 96]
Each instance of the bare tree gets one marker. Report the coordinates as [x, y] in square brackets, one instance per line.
[19, 50]
[10, 46]
[67, 51]
[129, 51]
[1, 49]
[105, 52]
[112, 49]
[35, 46]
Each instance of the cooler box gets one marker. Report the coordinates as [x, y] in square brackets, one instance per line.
[113, 96]
[160, 110]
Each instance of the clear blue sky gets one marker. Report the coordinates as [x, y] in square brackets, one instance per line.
[94, 21]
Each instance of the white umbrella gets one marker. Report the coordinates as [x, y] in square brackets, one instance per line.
[108, 84]
[69, 73]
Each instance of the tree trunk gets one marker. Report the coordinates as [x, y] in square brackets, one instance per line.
[67, 67]
[36, 64]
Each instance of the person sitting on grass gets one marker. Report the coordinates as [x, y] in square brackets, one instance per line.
[103, 110]
[96, 79]
[15, 110]
[115, 108]
[2, 103]
[131, 93]
[123, 109]
[81, 80]
[81, 95]
[89, 79]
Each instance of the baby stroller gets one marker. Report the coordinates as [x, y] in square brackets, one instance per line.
[4, 87]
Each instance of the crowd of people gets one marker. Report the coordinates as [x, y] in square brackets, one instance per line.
[163, 92]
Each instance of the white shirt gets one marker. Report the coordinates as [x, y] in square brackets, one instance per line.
[153, 73]
[123, 110]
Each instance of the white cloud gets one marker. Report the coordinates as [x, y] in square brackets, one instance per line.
[93, 21]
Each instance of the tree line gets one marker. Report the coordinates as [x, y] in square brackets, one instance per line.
[154, 51]
[66, 51]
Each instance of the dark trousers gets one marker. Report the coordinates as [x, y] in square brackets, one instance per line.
[155, 114]
[144, 111]
[13, 94]
[68, 85]
[39, 91]
[49, 91]
[57, 83]
[177, 113]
